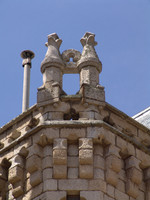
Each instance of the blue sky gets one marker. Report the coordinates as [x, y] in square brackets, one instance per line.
[122, 29]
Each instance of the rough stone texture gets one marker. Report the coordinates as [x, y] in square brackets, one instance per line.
[72, 134]
[86, 171]
[132, 189]
[134, 175]
[114, 163]
[59, 157]
[33, 163]
[97, 185]
[15, 174]
[76, 184]
[50, 185]
[85, 156]
[60, 171]
[111, 177]
[76, 145]
[88, 195]
[73, 173]
[35, 178]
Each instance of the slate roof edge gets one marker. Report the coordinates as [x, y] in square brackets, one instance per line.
[141, 113]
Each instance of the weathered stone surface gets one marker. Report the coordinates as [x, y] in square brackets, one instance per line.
[73, 173]
[76, 184]
[111, 190]
[121, 186]
[60, 143]
[89, 75]
[85, 156]
[15, 134]
[35, 178]
[132, 189]
[101, 135]
[127, 149]
[18, 191]
[15, 174]
[47, 173]
[85, 143]
[144, 158]
[36, 191]
[50, 133]
[35, 150]
[111, 177]
[99, 162]
[97, 185]
[59, 157]
[47, 150]
[57, 195]
[134, 175]
[99, 174]
[112, 150]
[72, 150]
[73, 162]
[51, 95]
[60, 171]
[120, 195]
[114, 163]
[93, 94]
[132, 162]
[98, 149]
[88, 195]
[50, 185]
[52, 75]
[33, 163]
[86, 171]
[47, 162]
[72, 133]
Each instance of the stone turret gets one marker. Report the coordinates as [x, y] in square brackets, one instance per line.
[74, 147]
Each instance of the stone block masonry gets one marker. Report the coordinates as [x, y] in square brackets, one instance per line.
[73, 146]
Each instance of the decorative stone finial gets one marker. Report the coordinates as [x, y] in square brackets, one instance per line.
[27, 55]
[89, 56]
[52, 57]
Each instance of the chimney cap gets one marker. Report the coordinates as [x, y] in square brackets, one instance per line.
[27, 54]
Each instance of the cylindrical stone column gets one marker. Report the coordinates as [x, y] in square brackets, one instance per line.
[27, 55]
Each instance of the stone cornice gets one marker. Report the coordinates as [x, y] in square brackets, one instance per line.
[77, 124]
[18, 118]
